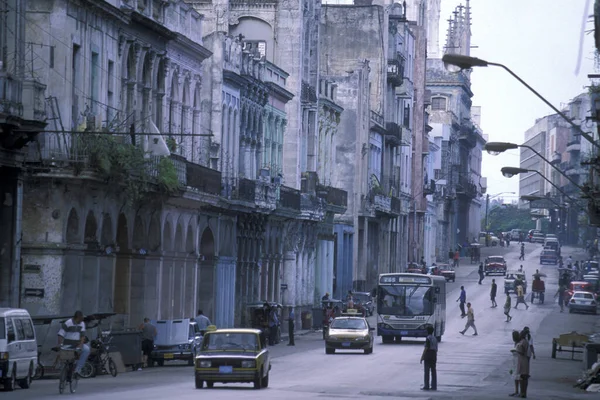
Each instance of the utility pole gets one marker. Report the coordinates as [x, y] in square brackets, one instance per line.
[487, 206]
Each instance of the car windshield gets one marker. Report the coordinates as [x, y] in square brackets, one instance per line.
[405, 300]
[548, 253]
[496, 259]
[361, 298]
[230, 341]
[348, 324]
[586, 296]
[2, 329]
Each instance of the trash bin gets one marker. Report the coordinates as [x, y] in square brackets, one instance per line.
[317, 318]
[129, 343]
[590, 355]
[306, 320]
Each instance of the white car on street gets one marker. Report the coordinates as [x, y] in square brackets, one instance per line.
[583, 301]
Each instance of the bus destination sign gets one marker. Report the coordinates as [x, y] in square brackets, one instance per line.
[403, 279]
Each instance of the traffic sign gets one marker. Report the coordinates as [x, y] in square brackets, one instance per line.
[30, 292]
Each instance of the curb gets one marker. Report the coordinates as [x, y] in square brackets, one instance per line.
[286, 337]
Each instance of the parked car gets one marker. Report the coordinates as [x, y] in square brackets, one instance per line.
[18, 348]
[553, 245]
[493, 239]
[448, 272]
[495, 265]
[176, 339]
[548, 256]
[579, 286]
[232, 355]
[349, 333]
[583, 301]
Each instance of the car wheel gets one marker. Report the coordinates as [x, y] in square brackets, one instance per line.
[199, 382]
[265, 381]
[369, 350]
[258, 381]
[26, 383]
[329, 350]
[10, 384]
[210, 385]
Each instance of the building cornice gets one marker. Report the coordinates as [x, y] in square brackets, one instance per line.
[283, 93]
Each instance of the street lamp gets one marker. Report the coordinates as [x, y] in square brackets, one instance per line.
[487, 206]
[509, 172]
[495, 148]
[458, 62]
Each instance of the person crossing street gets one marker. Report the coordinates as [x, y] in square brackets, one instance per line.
[521, 296]
[493, 292]
[470, 320]
[522, 256]
[481, 273]
[462, 298]
[507, 306]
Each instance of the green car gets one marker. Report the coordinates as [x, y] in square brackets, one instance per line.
[232, 355]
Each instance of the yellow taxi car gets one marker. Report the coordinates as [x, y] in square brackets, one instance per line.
[349, 333]
[232, 355]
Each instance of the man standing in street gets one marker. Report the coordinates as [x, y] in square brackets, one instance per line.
[429, 356]
[493, 292]
[481, 273]
[507, 305]
[202, 321]
[522, 256]
[463, 299]
[561, 297]
[148, 335]
[291, 318]
[456, 258]
[470, 320]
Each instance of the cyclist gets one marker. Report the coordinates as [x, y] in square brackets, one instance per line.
[71, 334]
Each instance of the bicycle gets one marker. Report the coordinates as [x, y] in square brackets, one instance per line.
[99, 361]
[68, 356]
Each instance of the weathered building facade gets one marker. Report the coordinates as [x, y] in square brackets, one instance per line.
[22, 117]
[458, 180]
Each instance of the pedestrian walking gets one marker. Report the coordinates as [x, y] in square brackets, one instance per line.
[456, 258]
[561, 297]
[148, 335]
[493, 292]
[507, 306]
[273, 325]
[523, 363]
[463, 299]
[470, 320]
[429, 357]
[521, 296]
[291, 322]
[531, 348]
[481, 273]
[522, 256]
[516, 336]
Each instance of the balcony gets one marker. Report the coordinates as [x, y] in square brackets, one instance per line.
[179, 163]
[394, 134]
[289, 199]
[308, 93]
[466, 188]
[204, 179]
[246, 190]
[376, 119]
[468, 136]
[429, 188]
[336, 199]
[395, 71]
[396, 205]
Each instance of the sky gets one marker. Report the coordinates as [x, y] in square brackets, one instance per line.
[539, 40]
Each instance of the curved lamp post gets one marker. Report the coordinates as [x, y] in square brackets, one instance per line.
[458, 62]
[509, 172]
[495, 148]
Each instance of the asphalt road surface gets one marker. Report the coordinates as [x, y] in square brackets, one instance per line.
[469, 367]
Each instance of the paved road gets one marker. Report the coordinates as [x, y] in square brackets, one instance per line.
[469, 367]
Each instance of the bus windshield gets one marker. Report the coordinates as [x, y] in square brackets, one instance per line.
[405, 300]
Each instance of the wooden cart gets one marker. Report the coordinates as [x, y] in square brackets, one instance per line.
[569, 342]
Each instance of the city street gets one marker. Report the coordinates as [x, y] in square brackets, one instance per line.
[469, 367]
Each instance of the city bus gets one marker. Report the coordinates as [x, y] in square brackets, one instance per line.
[408, 303]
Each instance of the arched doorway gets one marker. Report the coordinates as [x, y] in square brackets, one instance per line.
[206, 277]
[72, 233]
[90, 231]
[122, 267]
[70, 298]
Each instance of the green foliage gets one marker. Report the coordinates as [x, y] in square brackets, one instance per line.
[167, 179]
[171, 144]
[503, 219]
[127, 166]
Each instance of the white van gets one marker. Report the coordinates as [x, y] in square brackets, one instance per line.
[18, 348]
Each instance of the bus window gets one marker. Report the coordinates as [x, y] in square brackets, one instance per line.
[405, 300]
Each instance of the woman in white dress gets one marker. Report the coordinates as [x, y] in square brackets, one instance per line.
[515, 357]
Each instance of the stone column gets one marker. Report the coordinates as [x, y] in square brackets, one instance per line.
[289, 278]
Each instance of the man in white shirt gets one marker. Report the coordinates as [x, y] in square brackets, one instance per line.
[71, 334]
[202, 321]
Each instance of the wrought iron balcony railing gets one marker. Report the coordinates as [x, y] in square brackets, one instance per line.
[289, 198]
[204, 179]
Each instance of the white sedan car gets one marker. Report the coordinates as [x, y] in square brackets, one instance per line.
[583, 301]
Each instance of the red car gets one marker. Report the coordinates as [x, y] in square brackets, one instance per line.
[495, 265]
[447, 271]
[579, 286]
